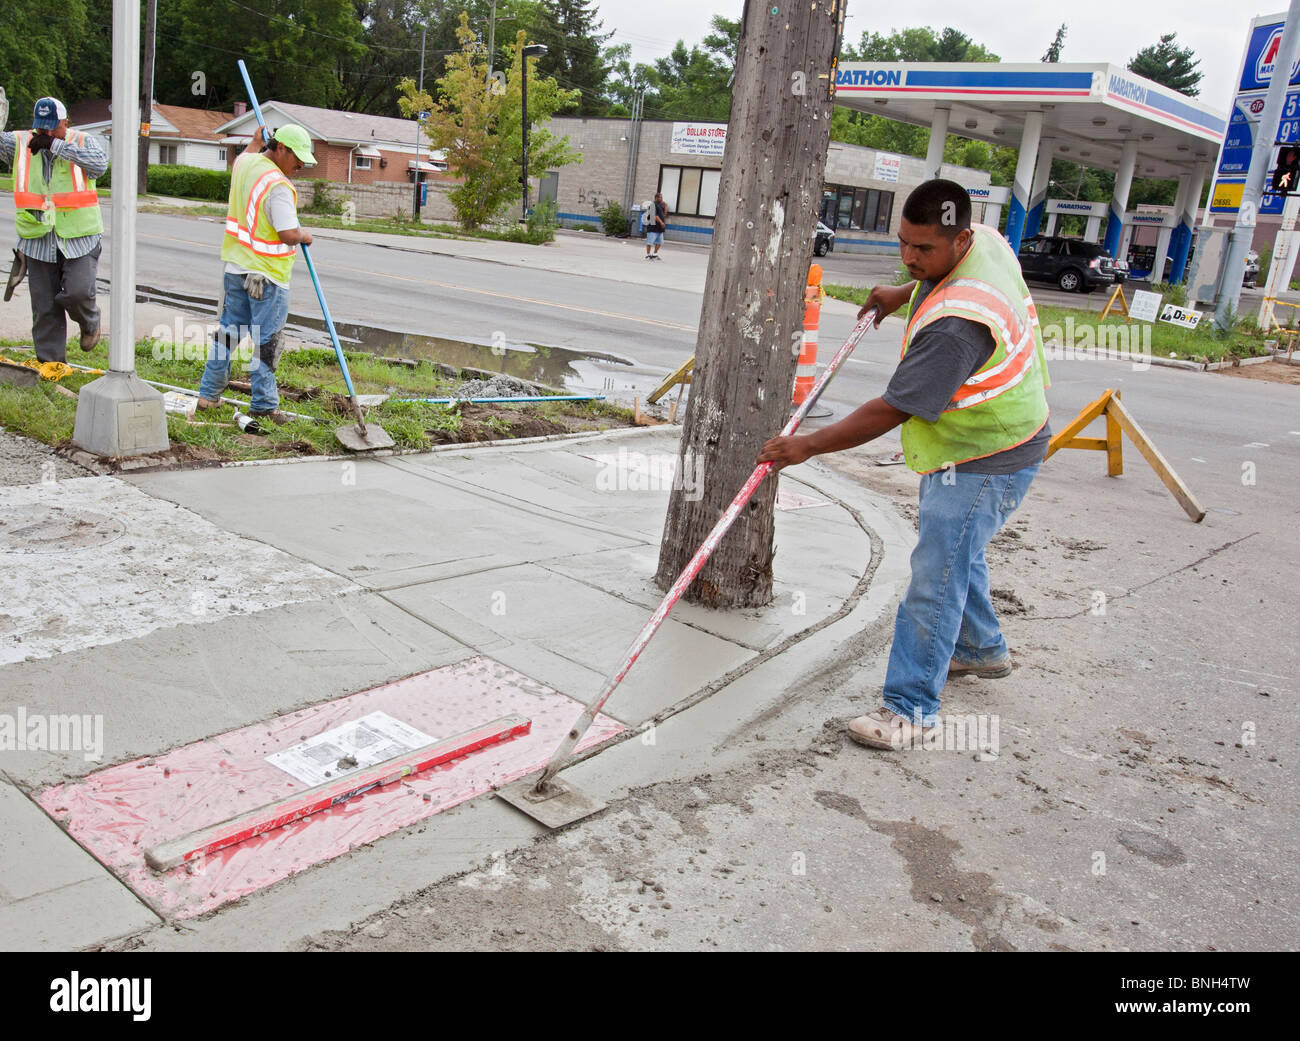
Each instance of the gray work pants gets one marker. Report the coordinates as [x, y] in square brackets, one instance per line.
[59, 291]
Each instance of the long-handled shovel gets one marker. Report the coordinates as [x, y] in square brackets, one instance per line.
[358, 437]
[549, 800]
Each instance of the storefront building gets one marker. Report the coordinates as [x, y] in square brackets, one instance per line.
[862, 198]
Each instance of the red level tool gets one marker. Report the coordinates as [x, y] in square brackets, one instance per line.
[526, 800]
[176, 852]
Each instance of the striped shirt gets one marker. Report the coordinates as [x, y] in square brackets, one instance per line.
[90, 158]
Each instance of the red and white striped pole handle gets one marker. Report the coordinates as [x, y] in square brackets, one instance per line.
[571, 739]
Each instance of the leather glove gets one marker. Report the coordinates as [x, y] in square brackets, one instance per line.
[255, 285]
[40, 143]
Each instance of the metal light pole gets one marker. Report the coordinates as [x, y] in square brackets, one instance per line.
[533, 50]
[119, 414]
[419, 130]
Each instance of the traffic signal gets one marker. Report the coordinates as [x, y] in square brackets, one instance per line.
[1287, 172]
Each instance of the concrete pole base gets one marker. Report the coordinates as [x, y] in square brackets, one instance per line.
[119, 414]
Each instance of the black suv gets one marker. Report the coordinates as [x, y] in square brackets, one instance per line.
[1074, 265]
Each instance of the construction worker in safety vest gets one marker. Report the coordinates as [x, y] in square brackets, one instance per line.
[261, 241]
[59, 226]
[969, 394]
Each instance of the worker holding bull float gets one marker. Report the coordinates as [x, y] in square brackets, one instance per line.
[969, 393]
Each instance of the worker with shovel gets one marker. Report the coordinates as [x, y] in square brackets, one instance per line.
[59, 226]
[969, 393]
[262, 236]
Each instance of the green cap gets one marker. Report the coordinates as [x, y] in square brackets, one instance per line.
[297, 140]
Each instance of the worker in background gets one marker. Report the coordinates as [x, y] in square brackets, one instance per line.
[969, 394]
[59, 226]
[262, 236]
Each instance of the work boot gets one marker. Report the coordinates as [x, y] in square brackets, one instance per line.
[16, 274]
[992, 671]
[89, 339]
[886, 729]
[208, 403]
[275, 416]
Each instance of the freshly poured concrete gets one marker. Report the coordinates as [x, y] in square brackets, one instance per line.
[516, 553]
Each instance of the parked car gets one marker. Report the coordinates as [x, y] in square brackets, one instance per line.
[1121, 271]
[824, 241]
[1074, 265]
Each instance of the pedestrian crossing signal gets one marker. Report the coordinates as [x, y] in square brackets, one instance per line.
[1287, 172]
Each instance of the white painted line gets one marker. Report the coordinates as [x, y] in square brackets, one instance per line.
[1257, 444]
[1196, 459]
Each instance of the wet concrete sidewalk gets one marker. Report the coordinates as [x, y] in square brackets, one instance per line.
[175, 607]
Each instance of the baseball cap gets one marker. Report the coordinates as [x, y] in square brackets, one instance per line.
[297, 140]
[47, 114]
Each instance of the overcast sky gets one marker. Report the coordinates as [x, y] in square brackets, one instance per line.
[1018, 30]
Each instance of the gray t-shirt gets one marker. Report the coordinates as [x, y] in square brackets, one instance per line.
[939, 360]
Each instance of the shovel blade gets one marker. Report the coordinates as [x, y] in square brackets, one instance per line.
[559, 805]
[353, 439]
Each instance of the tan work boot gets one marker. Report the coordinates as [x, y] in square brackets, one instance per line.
[992, 671]
[208, 403]
[89, 339]
[275, 416]
[886, 729]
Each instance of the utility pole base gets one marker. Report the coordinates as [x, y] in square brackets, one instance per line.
[119, 414]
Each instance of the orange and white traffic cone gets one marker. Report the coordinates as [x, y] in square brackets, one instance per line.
[806, 373]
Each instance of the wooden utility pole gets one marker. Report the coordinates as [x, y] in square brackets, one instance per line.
[146, 96]
[751, 324]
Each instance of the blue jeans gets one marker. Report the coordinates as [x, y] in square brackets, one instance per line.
[259, 320]
[947, 611]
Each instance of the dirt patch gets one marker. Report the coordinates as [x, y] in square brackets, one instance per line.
[1272, 371]
[484, 423]
[1006, 602]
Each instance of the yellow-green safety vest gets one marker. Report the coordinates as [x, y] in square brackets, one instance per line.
[66, 204]
[251, 241]
[1003, 403]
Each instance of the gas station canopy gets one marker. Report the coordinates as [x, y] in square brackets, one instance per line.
[1088, 110]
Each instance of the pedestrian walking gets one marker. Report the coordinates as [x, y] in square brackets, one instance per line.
[59, 225]
[654, 236]
[262, 236]
[969, 395]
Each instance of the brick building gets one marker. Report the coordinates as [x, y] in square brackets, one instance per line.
[350, 147]
[862, 198]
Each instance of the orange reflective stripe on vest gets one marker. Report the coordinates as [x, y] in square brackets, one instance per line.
[989, 305]
[24, 199]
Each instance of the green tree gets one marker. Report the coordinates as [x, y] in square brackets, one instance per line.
[296, 50]
[1057, 45]
[692, 83]
[1167, 63]
[575, 58]
[480, 126]
[35, 42]
[918, 44]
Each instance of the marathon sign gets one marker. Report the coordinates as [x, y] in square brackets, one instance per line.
[1128, 89]
[869, 78]
[699, 138]
[1261, 57]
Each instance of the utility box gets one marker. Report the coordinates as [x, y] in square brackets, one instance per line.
[637, 229]
[1205, 268]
